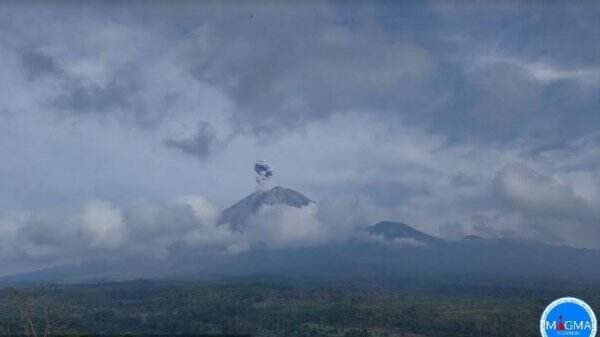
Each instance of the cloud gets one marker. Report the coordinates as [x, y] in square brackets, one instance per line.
[393, 242]
[281, 226]
[535, 192]
[145, 229]
[345, 59]
[548, 73]
[203, 209]
[549, 206]
[287, 226]
[116, 98]
[160, 230]
[103, 225]
[38, 64]
[200, 145]
[545, 72]
[302, 77]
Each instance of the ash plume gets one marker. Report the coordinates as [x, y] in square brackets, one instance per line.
[264, 172]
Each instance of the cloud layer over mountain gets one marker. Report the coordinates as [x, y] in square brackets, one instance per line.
[154, 229]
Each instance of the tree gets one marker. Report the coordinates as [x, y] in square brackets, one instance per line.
[27, 314]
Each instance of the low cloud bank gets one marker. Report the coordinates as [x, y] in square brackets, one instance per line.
[154, 228]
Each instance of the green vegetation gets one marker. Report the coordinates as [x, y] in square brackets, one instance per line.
[269, 308]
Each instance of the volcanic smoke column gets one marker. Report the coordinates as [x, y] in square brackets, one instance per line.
[264, 172]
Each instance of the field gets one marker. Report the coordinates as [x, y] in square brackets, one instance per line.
[281, 308]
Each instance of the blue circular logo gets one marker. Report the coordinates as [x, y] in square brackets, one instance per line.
[568, 316]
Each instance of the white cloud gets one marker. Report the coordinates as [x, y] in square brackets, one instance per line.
[549, 73]
[286, 226]
[204, 210]
[551, 208]
[393, 242]
[103, 225]
[534, 191]
[545, 72]
[152, 229]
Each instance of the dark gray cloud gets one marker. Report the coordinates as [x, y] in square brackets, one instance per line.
[281, 78]
[81, 95]
[38, 64]
[505, 81]
[118, 97]
[264, 173]
[202, 143]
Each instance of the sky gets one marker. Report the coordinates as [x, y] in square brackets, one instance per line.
[457, 118]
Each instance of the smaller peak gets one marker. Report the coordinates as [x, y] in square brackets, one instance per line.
[393, 230]
[393, 227]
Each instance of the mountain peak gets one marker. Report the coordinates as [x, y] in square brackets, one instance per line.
[237, 215]
[397, 230]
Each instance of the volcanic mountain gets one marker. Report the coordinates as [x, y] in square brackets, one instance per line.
[397, 230]
[237, 215]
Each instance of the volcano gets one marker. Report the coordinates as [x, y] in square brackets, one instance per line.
[237, 215]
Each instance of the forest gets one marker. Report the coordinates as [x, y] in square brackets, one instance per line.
[279, 307]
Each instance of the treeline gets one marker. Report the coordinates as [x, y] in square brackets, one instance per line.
[275, 309]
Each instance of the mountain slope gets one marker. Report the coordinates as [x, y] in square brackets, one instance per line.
[237, 215]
